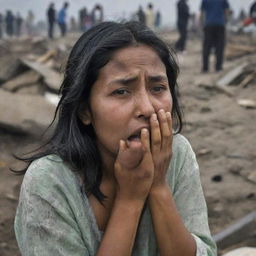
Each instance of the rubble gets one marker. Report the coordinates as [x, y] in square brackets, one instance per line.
[30, 114]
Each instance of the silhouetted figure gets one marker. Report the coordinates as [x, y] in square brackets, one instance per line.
[182, 24]
[150, 16]
[62, 19]
[253, 11]
[30, 22]
[73, 24]
[51, 17]
[82, 17]
[241, 15]
[158, 19]
[18, 24]
[141, 16]
[214, 14]
[9, 21]
[97, 14]
[1, 25]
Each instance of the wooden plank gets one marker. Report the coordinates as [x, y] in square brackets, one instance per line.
[51, 77]
[230, 76]
[236, 232]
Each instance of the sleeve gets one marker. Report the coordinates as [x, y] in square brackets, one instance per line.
[44, 223]
[190, 202]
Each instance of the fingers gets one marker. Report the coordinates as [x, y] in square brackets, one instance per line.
[161, 131]
[144, 137]
[155, 134]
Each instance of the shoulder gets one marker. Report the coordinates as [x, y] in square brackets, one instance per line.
[182, 155]
[181, 145]
[47, 175]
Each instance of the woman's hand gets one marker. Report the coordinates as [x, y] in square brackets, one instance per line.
[161, 146]
[134, 169]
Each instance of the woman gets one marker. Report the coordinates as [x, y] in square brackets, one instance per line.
[113, 180]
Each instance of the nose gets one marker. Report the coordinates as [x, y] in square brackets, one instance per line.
[144, 106]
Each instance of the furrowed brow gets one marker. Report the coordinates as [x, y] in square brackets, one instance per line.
[158, 79]
[125, 81]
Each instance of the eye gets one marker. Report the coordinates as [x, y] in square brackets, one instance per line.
[158, 88]
[120, 92]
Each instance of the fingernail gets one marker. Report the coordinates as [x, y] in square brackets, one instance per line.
[161, 112]
[168, 114]
[144, 131]
[154, 117]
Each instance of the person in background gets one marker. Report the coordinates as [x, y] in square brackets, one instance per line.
[9, 23]
[141, 15]
[62, 16]
[82, 16]
[18, 24]
[51, 17]
[1, 25]
[182, 24]
[97, 14]
[30, 23]
[253, 11]
[214, 14]
[150, 16]
[158, 20]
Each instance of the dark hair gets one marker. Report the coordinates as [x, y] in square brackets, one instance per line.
[72, 140]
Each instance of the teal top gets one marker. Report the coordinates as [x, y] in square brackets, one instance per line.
[54, 216]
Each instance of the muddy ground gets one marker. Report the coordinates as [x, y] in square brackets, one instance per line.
[221, 132]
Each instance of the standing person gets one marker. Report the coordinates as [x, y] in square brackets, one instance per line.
[141, 16]
[62, 16]
[97, 14]
[182, 24]
[116, 178]
[30, 23]
[9, 23]
[214, 14]
[51, 17]
[158, 19]
[18, 22]
[253, 11]
[1, 25]
[82, 17]
[150, 16]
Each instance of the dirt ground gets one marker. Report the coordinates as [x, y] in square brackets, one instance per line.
[221, 132]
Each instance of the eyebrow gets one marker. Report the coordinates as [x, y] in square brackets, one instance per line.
[129, 80]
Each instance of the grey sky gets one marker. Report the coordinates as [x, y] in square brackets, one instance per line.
[112, 8]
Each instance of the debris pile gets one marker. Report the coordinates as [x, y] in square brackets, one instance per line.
[30, 78]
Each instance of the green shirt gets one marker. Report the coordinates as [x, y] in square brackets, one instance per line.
[54, 216]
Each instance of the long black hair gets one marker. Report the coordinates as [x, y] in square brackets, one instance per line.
[73, 141]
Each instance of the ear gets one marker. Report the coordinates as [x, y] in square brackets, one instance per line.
[85, 115]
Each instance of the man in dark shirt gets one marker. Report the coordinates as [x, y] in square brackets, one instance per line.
[51, 19]
[214, 14]
[182, 24]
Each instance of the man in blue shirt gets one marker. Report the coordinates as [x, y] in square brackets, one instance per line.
[214, 14]
[62, 19]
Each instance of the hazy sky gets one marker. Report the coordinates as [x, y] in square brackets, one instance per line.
[112, 8]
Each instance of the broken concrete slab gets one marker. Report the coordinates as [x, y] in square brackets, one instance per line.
[236, 232]
[34, 89]
[25, 113]
[231, 75]
[51, 77]
[23, 80]
[10, 67]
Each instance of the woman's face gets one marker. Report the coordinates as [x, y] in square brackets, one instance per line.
[129, 89]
